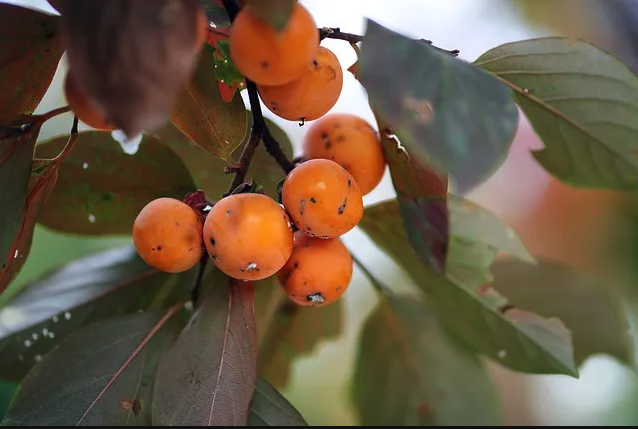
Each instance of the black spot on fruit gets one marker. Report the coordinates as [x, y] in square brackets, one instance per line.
[212, 241]
[312, 200]
[302, 207]
[342, 207]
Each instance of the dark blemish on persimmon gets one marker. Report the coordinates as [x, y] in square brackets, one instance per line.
[159, 248]
[349, 183]
[324, 135]
[341, 138]
[265, 65]
[313, 200]
[212, 241]
[302, 207]
[328, 144]
[342, 207]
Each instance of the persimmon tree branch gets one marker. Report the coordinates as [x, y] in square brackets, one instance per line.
[337, 34]
[259, 130]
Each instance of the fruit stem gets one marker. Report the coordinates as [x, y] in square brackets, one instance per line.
[337, 34]
[382, 290]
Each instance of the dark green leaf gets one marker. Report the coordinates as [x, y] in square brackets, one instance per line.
[207, 169]
[422, 195]
[208, 378]
[16, 153]
[481, 317]
[101, 285]
[581, 101]
[409, 373]
[270, 408]
[200, 113]
[473, 222]
[275, 12]
[588, 308]
[225, 69]
[41, 182]
[291, 332]
[102, 376]
[444, 110]
[30, 50]
[215, 12]
[101, 189]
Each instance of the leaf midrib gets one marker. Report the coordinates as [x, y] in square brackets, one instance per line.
[521, 92]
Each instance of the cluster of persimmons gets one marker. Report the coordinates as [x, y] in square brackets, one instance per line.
[250, 236]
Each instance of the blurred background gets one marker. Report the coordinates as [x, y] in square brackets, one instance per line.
[590, 230]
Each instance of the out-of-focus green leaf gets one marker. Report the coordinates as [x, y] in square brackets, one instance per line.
[200, 113]
[480, 316]
[30, 50]
[270, 408]
[291, 332]
[275, 12]
[101, 189]
[409, 373]
[101, 285]
[445, 111]
[102, 376]
[589, 309]
[581, 101]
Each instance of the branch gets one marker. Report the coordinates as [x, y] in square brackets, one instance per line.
[337, 34]
[259, 129]
[381, 289]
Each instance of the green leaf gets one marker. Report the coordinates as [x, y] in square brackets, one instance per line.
[275, 12]
[473, 222]
[102, 376]
[30, 50]
[200, 113]
[101, 189]
[16, 152]
[270, 408]
[225, 70]
[41, 182]
[445, 111]
[215, 12]
[409, 373]
[208, 378]
[291, 332]
[483, 319]
[207, 169]
[581, 101]
[422, 196]
[98, 286]
[590, 309]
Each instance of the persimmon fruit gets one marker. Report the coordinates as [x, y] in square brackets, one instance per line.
[82, 108]
[351, 142]
[271, 57]
[322, 199]
[167, 234]
[248, 236]
[312, 95]
[318, 272]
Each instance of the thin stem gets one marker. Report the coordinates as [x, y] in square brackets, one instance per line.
[70, 144]
[41, 119]
[274, 149]
[337, 34]
[197, 288]
[246, 156]
[381, 289]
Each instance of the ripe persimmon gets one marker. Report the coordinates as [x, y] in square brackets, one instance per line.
[322, 199]
[312, 95]
[271, 57]
[167, 234]
[248, 236]
[318, 272]
[351, 142]
[82, 108]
